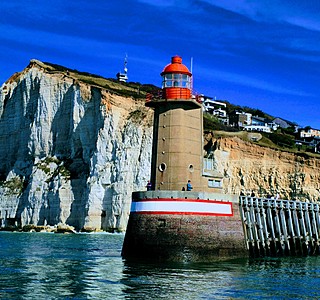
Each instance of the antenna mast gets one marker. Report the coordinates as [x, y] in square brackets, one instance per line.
[191, 70]
[125, 64]
[123, 77]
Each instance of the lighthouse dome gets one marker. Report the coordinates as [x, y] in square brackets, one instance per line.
[176, 66]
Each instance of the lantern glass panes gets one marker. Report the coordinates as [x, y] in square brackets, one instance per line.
[176, 80]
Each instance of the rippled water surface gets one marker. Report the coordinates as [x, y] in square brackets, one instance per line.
[89, 266]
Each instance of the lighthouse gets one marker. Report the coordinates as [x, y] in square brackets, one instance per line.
[177, 135]
[170, 222]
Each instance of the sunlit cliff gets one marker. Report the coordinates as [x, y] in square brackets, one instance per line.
[73, 147]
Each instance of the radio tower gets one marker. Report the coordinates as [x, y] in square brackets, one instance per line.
[123, 77]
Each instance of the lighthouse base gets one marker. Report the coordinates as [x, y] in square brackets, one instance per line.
[184, 226]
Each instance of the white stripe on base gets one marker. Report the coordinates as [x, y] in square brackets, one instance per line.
[182, 207]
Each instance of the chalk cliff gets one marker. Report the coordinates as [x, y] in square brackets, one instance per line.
[72, 150]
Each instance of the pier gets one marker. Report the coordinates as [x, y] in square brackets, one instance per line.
[280, 227]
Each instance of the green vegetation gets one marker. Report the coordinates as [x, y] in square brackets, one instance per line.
[282, 139]
[15, 185]
[60, 169]
[254, 111]
[137, 115]
[211, 122]
[44, 165]
[135, 90]
[63, 171]
[275, 141]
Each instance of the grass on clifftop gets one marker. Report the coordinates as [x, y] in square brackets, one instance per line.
[138, 91]
[135, 90]
[277, 140]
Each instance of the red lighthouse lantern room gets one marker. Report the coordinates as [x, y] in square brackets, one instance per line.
[176, 80]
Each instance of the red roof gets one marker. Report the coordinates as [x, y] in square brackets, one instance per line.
[176, 66]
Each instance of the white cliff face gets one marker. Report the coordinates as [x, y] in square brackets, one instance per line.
[70, 152]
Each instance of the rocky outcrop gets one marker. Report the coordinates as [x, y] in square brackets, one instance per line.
[70, 152]
[248, 167]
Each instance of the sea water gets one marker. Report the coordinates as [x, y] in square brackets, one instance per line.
[89, 266]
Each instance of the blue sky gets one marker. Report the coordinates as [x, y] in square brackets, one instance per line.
[256, 53]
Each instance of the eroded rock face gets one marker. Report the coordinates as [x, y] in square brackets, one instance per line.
[70, 152]
[248, 167]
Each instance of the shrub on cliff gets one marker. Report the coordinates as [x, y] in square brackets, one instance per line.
[211, 122]
[14, 185]
[282, 140]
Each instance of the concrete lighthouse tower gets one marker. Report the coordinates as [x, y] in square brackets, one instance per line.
[177, 143]
[168, 222]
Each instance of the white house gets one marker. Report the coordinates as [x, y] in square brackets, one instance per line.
[263, 128]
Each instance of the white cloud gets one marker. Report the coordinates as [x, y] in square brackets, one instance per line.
[304, 22]
[303, 14]
[239, 79]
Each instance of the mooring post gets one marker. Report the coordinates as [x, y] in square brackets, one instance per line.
[264, 224]
[260, 226]
[284, 225]
[315, 236]
[254, 225]
[249, 224]
[271, 225]
[278, 227]
[317, 221]
[243, 206]
[298, 226]
[305, 240]
[291, 229]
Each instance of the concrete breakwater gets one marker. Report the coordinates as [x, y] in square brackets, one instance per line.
[280, 227]
[184, 226]
[193, 226]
